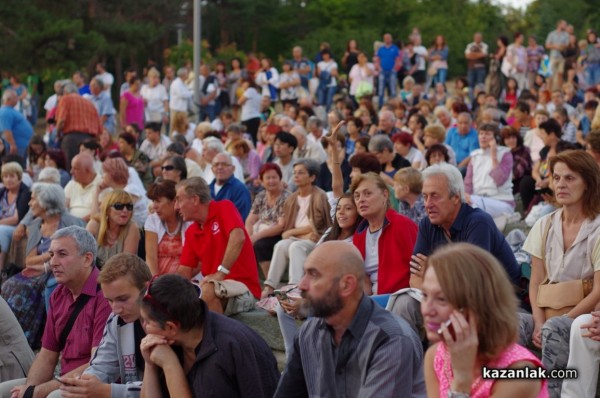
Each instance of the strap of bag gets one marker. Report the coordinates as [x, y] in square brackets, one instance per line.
[79, 304]
[544, 239]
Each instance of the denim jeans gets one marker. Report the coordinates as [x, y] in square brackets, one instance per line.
[325, 96]
[475, 76]
[209, 111]
[389, 79]
[592, 74]
[440, 76]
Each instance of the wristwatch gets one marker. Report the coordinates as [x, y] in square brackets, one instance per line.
[222, 269]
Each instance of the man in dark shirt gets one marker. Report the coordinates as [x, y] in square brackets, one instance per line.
[351, 347]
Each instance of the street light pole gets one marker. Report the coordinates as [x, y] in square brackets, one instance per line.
[197, 48]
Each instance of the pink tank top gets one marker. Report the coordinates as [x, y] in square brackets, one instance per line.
[482, 388]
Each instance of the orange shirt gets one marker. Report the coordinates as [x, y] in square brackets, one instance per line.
[79, 115]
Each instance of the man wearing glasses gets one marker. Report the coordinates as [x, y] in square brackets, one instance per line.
[217, 243]
[226, 186]
[76, 317]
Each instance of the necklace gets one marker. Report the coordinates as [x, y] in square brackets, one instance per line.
[176, 231]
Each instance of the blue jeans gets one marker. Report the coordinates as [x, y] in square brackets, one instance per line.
[592, 74]
[325, 96]
[475, 76]
[389, 79]
[440, 76]
[209, 111]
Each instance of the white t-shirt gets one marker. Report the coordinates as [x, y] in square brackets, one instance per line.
[154, 224]
[422, 52]
[107, 80]
[302, 215]
[155, 98]
[372, 256]
[252, 106]
[328, 67]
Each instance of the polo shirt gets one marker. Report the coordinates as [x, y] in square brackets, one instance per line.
[387, 56]
[80, 198]
[235, 191]
[88, 327]
[471, 226]
[463, 145]
[14, 121]
[79, 115]
[208, 245]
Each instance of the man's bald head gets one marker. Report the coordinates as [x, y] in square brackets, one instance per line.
[340, 258]
[82, 168]
[84, 161]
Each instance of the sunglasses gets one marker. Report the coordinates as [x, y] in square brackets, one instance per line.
[168, 168]
[121, 206]
[153, 302]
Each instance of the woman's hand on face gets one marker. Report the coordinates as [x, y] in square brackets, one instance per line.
[462, 341]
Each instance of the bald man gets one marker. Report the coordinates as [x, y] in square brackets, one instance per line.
[351, 347]
[80, 191]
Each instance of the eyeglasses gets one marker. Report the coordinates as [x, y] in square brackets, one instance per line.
[153, 302]
[121, 206]
[217, 165]
[168, 167]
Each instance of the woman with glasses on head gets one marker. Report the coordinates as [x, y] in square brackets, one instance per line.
[114, 228]
[165, 230]
[174, 169]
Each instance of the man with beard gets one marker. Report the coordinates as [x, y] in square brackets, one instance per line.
[350, 347]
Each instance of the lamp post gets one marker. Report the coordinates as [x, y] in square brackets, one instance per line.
[197, 48]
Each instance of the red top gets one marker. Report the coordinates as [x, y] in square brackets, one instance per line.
[87, 330]
[79, 114]
[208, 245]
[395, 248]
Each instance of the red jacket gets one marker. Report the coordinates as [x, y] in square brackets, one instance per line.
[395, 245]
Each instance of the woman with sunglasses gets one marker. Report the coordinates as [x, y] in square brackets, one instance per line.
[164, 229]
[173, 168]
[113, 228]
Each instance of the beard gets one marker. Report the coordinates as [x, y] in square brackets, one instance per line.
[326, 306]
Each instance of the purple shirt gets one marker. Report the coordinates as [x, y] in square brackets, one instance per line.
[87, 329]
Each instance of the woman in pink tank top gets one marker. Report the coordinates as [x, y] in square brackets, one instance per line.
[470, 313]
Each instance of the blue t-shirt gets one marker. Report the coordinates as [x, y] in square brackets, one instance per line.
[471, 226]
[463, 145]
[387, 57]
[15, 122]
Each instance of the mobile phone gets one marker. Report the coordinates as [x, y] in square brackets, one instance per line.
[446, 324]
[280, 295]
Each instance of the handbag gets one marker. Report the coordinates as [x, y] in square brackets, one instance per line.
[364, 88]
[559, 298]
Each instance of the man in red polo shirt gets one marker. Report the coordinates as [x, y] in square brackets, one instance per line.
[219, 245]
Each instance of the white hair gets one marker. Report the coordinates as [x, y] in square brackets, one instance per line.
[456, 185]
[213, 143]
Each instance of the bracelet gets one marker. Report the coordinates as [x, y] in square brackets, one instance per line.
[222, 269]
[456, 394]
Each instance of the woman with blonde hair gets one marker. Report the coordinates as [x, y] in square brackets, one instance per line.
[182, 126]
[156, 99]
[384, 238]
[114, 228]
[564, 258]
[462, 283]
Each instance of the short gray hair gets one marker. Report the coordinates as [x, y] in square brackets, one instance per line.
[311, 165]
[380, 142]
[196, 186]
[83, 239]
[70, 88]
[213, 143]
[298, 129]
[182, 72]
[7, 95]
[51, 197]
[50, 175]
[456, 185]
[98, 82]
[314, 120]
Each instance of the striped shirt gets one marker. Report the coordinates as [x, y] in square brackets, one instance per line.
[79, 115]
[379, 355]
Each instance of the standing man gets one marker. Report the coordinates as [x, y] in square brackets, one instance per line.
[104, 105]
[76, 121]
[301, 65]
[107, 78]
[79, 80]
[388, 56]
[476, 53]
[209, 94]
[76, 317]
[179, 95]
[350, 346]
[15, 129]
[218, 244]
[556, 42]
[226, 186]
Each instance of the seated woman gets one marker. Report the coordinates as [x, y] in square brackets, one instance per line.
[488, 183]
[113, 228]
[165, 230]
[56, 158]
[174, 168]
[345, 221]
[115, 176]
[384, 238]
[437, 153]
[36, 156]
[462, 282]
[14, 196]
[563, 247]
[304, 219]
[135, 158]
[262, 224]
[521, 158]
[24, 292]
[408, 184]
[248, 158]
[403, 145]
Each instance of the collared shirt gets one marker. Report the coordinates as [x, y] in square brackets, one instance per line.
[471, 226]
[155, 152]
[207, 244]
[179, 95]
[463, 145]
[88, 327]
[79, 115]
[235, 191]
[379, 356]
[80, 198]
[104, 106]
[416, 212]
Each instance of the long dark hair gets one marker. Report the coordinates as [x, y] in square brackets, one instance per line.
[336, 230]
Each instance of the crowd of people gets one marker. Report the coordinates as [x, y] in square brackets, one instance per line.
[367, 199]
